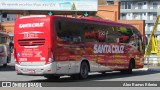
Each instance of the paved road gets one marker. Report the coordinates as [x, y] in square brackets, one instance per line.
[9, 74]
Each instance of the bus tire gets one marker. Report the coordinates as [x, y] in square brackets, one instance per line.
[84, 69]
[103, 73]
[8, 59]
[52, 77]
[75, 76]
[131, 65]
[123, 71]
[5, 65]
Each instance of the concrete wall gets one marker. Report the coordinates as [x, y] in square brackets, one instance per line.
[7, 27]
[111, 12]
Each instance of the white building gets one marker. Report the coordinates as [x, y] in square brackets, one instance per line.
[7, 17]
[140, 10]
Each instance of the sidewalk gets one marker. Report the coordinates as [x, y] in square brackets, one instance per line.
[150, 68]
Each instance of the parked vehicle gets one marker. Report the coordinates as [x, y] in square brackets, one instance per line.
[5, 53]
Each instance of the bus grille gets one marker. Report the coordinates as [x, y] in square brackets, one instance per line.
[31, 42]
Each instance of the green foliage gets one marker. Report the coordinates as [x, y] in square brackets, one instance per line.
[73, 7]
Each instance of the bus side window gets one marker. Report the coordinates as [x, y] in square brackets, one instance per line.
[59, 25]
[126, 35]
[102, 35]
[124, 39]
[140, 43]
[138, 40]
[69, 31]
[90, 33]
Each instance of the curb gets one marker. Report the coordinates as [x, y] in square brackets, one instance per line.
[143, 69]
[150, 69]
[154, 69]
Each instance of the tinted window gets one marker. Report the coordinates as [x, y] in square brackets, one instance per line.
[84, 32]
[3, 40]
[69, 31]
[138, 40]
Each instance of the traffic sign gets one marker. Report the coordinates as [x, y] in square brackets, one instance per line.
[50, 13]
[86, 14]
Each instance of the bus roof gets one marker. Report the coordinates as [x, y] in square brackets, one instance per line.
[32, 16]
[84, 20]
[95, 20]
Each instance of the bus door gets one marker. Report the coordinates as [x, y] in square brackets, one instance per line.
[62, 57]
[103, 49]
[120, 57]
[139, 54]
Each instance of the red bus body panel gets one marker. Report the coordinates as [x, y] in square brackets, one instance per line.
[33, 40]
[40, 31]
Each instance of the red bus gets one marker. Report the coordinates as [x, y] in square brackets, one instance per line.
[53, 46]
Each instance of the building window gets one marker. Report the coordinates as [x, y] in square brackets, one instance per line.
[155, 5]
[123, 16]
[139, 5]
[129, 5]
[123, 5]
[8, 17]
[126, 5]
[154, 16]
[110, 2]
[151, 27]
[129, 14]
[135, 16]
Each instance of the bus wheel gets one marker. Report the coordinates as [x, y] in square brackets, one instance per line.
[8, 59]
[84, 70]
[51, 77]
[123, 71]
[103, 73]
[75, 77]
[130, 67]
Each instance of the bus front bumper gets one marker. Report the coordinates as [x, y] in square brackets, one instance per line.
[36, 70]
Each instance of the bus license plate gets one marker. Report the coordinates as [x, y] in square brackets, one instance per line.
[31, 71]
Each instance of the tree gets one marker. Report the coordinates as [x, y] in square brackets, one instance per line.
[73, 7]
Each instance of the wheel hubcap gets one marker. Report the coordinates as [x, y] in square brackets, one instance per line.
[84, 71]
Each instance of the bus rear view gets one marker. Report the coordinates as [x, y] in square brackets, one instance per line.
[53, 46]
[32, 45]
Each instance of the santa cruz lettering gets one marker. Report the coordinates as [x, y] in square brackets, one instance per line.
[108, 48]
[31, 25]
